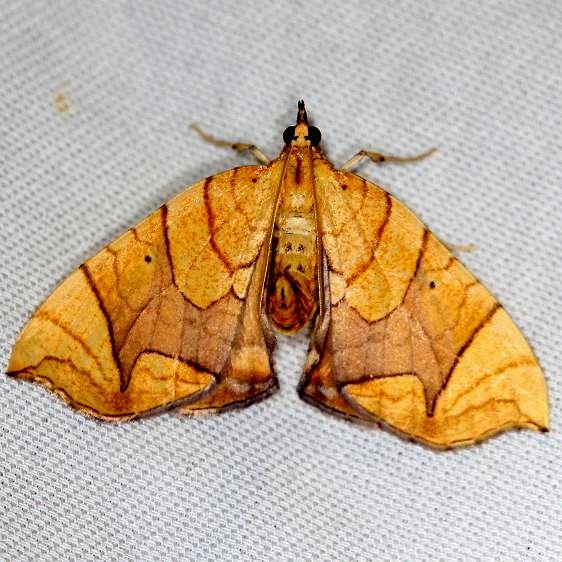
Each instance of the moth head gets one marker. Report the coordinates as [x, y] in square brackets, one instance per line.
[302, 134]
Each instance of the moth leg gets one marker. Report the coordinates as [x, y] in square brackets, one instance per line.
[238, 146]
[459, 248]
[380, 158]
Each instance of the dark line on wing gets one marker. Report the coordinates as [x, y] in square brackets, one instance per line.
[387, 212]
[164, 217]
[460, 353]
[83, 344]
[90, 411]
[164, 209]
[194, 364]
[210, 410]
[107, 318]
[59, 360]
[211, 223]
[368, 378]
[136, 235]
[526, 361]
[386, 219]
[413, 276]
[421, 253]
[328, 409]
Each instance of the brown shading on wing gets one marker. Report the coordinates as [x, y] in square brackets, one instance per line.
[411, 338]
[161, 316]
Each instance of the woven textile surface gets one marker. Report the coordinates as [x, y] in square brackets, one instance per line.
[96, 99]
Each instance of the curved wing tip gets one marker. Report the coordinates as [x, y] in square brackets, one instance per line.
[24, 374]
[11, 371]
[541, 427]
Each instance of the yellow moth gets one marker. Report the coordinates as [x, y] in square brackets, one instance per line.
[179, 312]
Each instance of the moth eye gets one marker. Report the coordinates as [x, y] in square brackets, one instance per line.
[147, 259]
[314, 135]
[289, 135]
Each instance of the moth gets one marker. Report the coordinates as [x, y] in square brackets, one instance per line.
[179, 312]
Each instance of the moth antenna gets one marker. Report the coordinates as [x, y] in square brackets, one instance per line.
[301, 114]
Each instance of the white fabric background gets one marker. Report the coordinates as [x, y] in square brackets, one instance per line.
[280, 480]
